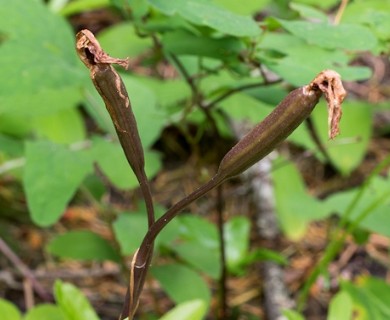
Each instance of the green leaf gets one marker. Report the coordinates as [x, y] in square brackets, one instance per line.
[264, 255]
[205, 13]
[370, 297]
[181, 283]
[111, 159]
[185, 43]
[349, 148]
[169, 92]
[294, 50]
[55, 127]
[73, 303]
[250, 7]
[326, 4]
[130, 229]
[378, 219]
[190, 310]
[376, 15]
[82, 245]
[242, 106]
[200, 257]
[309, 12]
[294, 206]
[340, 307]
[199, 244]
[236, 234]
[120, 40]
[40, 70]
[45, 312]
[293, 315]
[8, 311]
[344, 36]
[75, 7]
[51, 177]
[198, 229]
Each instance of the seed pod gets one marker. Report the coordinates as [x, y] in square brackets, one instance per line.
[265, 136]
[110, 86]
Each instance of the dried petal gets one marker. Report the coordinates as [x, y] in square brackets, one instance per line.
[329, 82]
[89, 48]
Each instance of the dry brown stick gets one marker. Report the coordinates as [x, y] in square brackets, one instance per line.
[24, 270]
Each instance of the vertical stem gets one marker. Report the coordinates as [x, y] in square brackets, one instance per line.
[222, 314]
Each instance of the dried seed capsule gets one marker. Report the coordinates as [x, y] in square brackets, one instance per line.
[265, 136]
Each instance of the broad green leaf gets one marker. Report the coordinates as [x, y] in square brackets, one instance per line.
[370, 298]
[293, 315]
[242, 106]
[56, 127]
[343, 36]
[111, 159]
[199, 245]
[378, 219]
[340, 307]
[204, 259]
[52, 175]
[205, 13]
[120, 40]
[181, 283]
[10, 147]
[45, 312]
[309, 12]
[198, 229]
[250, 7]
[79, 6]
[322, 4]
[15, 125]
[130, 229]
[291, 68]
[40, 69]
[190, 310]
[82, 245]
[8, 311]
[349, 148]
[236, 234]
[376, 15]
[73, 303]
[169, 93]
[185, 43]
[294, 206]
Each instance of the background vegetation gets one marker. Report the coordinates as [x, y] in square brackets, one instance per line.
[198, 68]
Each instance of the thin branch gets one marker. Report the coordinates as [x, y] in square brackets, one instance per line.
[222, 314]
[232, 91]
[340, 11]
[195, 92]
[24, 270]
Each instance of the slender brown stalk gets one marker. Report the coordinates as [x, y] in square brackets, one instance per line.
[25, 271]
[259, 142]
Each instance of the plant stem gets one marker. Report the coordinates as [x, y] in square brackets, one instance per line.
[25, 271]
[232, 91]
[222, 314]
